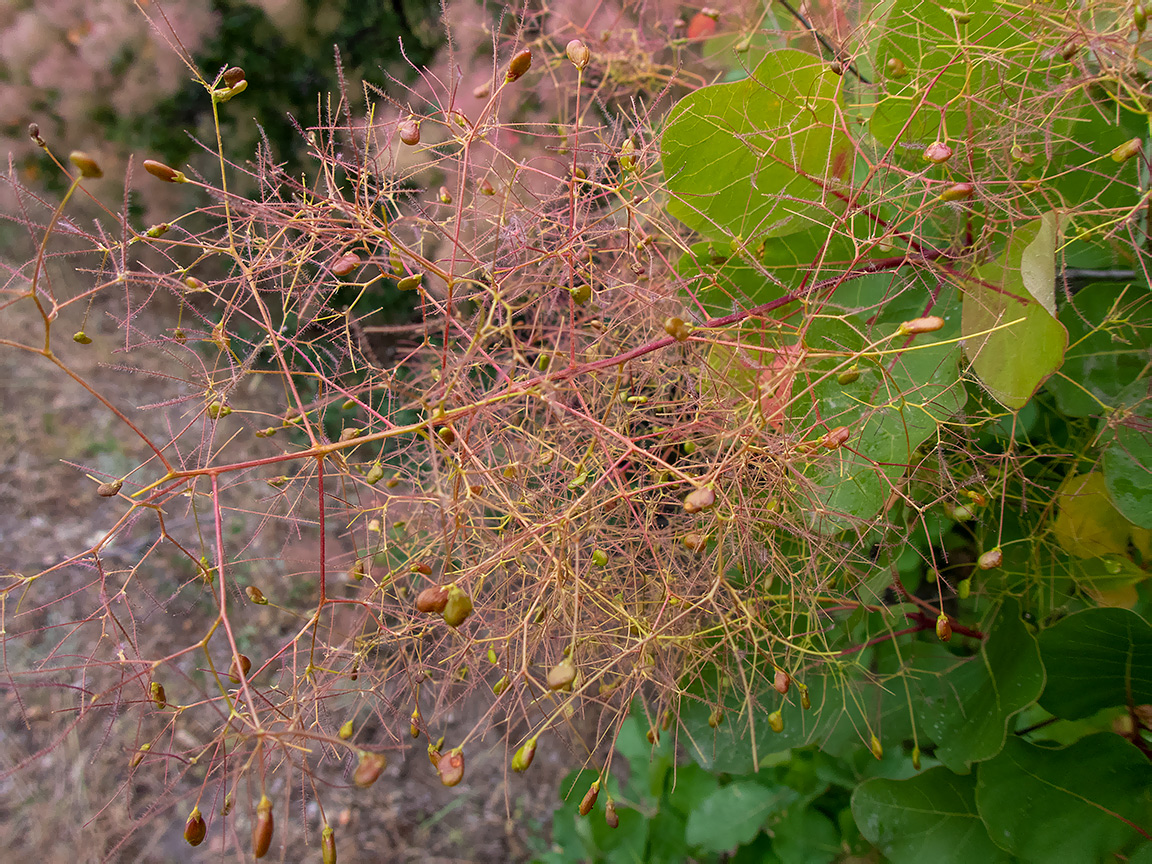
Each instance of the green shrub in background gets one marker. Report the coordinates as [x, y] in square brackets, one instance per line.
[288, 60]
[107, 77]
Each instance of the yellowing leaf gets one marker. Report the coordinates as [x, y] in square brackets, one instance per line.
[1016, 290]
[1087, 525]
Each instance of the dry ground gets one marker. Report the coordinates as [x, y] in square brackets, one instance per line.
[68, 795]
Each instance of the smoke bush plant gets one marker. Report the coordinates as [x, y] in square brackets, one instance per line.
[813, 411]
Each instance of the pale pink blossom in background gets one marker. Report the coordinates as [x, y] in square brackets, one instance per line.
[61, 65]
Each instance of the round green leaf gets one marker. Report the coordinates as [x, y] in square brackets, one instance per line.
[1097, 658]
[806, 836]
[966, 711]
[753, 158]
[1109, 338]
[1015, 293]
[1128, 458]
[1072, 805]
[931, 817]
[733, 815]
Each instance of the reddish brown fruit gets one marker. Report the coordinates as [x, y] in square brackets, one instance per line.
[701, 26]
[156, 691]
[937, 153]
[262, 830]
[837, 437]
[109, 489]
[432, 600]
[410, 132]
[943, 628]
[164, 172]
[699, 499]
[369, 768]
[345, 264]
[695, 542]
[233, 76]
[87, 166]
[240, 664]
[195, 828]
[450, 766]
[610, 817]
[991, 559]
[519, 64]
[589, 800]
[578, 54]
[782, 682]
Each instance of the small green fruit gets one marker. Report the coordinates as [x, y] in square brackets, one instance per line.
[524, 756]
[458, 607]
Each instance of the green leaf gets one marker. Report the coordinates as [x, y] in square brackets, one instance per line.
[894, 406]
[692, 785]
[1128, 458]
[1016, 294]
[941, 58]
[966, 712]
[843, 708]
[733, 815]
[805, 836]
[1086, 173]
[1069, 805]
[1109, 337]
[666, 843]
[647, 764]
[725, 276]
[1097, 658]
[738, 157]
[931, 817]
[624, 844]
